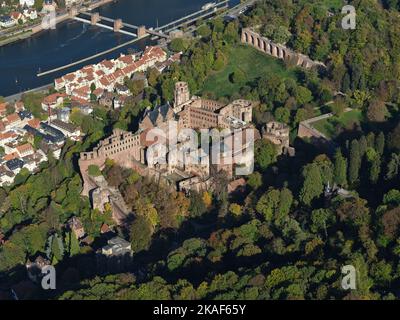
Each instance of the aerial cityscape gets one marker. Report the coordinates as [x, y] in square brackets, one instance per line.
[192, 150]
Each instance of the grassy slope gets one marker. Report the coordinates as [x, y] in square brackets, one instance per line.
[327, 126]
[252, 62]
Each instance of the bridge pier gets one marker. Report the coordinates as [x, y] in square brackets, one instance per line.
[73, 12]
[117, 25]
[141, 32]
[95, 18]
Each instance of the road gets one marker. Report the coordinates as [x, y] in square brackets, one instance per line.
[17, 96]
[238, 10]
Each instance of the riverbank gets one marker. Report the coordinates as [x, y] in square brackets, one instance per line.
[73, 41]
[20, 36]
[17, 96]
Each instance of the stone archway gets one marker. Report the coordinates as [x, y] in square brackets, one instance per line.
[244, 37]
[269, 48]
[281, 53]
[274, 51]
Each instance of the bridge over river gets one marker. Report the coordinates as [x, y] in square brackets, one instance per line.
[138, 32]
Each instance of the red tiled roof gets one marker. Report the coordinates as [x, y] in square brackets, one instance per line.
[98, 92]
[15, 15]
[11, 156]
[104, 81]
[69, 77]
[14, 117]
[24, 148]
[127, 59]
[107, 63]
[7, 135]
[3, 107]
[79, 100]
[104, 228]
[34, 123]
[52, 99]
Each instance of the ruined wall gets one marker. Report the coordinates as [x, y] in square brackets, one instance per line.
[122, 147]
[277, 50]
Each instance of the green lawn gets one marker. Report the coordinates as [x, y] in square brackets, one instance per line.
[252, 62]
[328, 126]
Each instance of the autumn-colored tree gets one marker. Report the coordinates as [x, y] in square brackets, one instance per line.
[377, 111]
[235, 209]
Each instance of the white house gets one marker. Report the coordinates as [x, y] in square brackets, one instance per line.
[30, 14]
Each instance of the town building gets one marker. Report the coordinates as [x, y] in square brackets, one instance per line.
[117, 247]
[7, 22]
[53, 101]
[25, 150]
[107, 74]
[68, 129]
[77, 228]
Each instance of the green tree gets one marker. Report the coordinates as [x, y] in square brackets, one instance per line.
[255, 180]
[303, 95]
[374, 164]
[204, 31]
[275, 205]
[282, 115]
[235, 209]
[178, 44]
[320, 221]
[265, 154]
[313, 185]
[354, 162]
[94, 170]
[393, 167]
[197, 207]
[340, 171]
[141, 232]
[380, 143]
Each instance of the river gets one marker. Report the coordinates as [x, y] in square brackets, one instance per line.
[73, 40]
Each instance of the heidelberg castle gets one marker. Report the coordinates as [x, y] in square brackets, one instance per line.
[128, 149]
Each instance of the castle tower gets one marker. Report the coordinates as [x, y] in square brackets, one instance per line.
[182, 94]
